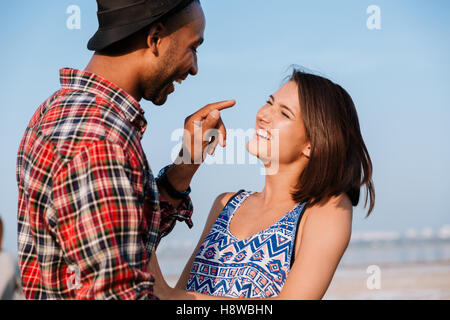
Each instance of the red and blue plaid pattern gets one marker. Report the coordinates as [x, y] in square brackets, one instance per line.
[89, 212]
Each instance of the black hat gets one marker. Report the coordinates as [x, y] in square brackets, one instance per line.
[119, 19]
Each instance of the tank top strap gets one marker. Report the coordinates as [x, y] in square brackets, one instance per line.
[234, 196]
[300, 210]
[234, 202]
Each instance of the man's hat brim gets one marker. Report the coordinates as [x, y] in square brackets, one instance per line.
[104, 38]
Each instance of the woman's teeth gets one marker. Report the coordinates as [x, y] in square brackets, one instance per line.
[263, 134]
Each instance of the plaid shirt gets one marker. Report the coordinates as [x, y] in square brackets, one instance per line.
[89, 212]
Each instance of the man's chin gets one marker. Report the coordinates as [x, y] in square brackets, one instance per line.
[162, 97]
[157, 101]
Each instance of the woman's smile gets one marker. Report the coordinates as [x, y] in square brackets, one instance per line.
[263, 134]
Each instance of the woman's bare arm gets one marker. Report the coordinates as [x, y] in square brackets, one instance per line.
[216, 209]
[326, 234]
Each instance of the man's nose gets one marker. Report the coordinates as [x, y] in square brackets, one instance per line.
[194, 68]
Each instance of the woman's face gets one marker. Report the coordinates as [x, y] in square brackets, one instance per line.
[280, 134]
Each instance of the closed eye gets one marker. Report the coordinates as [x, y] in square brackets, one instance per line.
[271, 98]
[282, 112]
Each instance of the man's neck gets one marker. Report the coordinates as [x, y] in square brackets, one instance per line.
[113, 70]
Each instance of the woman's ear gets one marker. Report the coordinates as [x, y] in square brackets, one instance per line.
[307, 150]
[154, 37]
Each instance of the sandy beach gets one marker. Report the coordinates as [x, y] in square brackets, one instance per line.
[417, 281]
[420, 281]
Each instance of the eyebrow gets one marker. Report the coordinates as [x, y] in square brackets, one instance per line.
[283, 106]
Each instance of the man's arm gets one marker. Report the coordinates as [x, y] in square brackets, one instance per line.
[195, 145]
[180, 177]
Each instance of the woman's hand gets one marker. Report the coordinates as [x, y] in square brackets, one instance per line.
[160, 289]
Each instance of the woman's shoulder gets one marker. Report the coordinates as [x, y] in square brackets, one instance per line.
[327, 223]
[224, 198]
[335, 212]
[340, 203]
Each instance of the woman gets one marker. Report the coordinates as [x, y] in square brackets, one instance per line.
[286, 241]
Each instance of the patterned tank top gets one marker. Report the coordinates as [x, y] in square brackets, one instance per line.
[256, 267]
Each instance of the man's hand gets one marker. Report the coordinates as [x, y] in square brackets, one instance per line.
[161, 289]
[203, 130]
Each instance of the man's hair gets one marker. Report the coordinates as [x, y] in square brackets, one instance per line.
[339, 161]
[130, 43]
[1, 233]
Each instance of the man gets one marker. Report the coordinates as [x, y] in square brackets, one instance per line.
[90, 211]
[7, 271]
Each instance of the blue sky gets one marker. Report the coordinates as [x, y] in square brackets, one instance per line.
[397, 76]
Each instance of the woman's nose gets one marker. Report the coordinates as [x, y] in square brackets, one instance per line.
[264, 115]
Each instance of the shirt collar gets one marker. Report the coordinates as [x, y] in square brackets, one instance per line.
[89, 82]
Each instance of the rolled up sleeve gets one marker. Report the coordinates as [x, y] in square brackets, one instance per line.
[170, 215]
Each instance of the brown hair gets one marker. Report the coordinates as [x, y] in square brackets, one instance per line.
[1, 233]
[339, 161]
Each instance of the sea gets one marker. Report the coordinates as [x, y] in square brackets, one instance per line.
[364, 249]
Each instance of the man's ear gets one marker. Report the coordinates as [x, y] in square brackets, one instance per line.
[307, 150]
[154, 36]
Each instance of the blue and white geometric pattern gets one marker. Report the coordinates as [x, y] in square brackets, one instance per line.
[256, 267]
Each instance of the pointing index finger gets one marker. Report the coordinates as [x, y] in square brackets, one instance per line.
[223, 105]
[217, 106]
